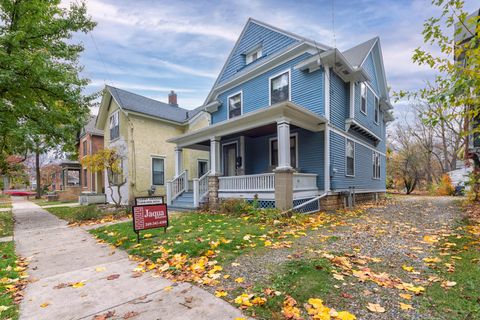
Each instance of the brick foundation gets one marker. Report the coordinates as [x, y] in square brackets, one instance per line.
[333, 202]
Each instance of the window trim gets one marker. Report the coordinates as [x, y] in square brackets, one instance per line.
[366, 97]
[241, 103]
[289, 71]
[376, 112]
[164, 169]
[109, 129]
[258, 49]
[84, 148]
[84, 176]
[346, 162]
[294, 135]
[377, 166]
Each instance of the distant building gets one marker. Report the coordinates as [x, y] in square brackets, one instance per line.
[90, 141]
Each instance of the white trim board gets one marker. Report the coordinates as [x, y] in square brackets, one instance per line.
[345, 135]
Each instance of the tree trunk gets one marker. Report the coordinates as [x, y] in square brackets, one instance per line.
[37, 174]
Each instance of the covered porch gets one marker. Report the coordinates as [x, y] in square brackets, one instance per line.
[274, 154]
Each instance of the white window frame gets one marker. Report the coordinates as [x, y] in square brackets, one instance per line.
[241, 103]
[289, 85]
[376, 174]
[376, 114]
[164, 169]
[249, 54]
[346, 162]
[292, 135]
[117, 113]
[364, 89]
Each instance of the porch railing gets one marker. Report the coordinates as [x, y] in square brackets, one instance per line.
[254, 182]
[304, 181]
[200, 189]
[177, 186]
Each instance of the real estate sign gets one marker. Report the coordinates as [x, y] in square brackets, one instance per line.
[149, 217]
[148, 200]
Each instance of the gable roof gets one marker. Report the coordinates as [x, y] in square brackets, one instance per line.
[89, 127]
[136, 103]
[250, 20]
[357, 55]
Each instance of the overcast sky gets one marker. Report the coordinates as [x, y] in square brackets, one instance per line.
[150, 47]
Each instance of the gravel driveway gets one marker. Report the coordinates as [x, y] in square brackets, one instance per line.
[393, 233]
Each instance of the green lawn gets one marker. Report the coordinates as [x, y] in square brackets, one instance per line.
[6, 224]
[82, 213]
[9, 275]
[462, 301]
[5, 201]
[192, 234]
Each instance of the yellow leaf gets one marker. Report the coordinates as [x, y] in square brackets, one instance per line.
[147, 235]
[220, 293]
[345, 315]
[430, 239]
[239, 280]
[240, 318]
[407, 268]
[375, 307]
[258, 301]
[268, 243]
[100, 269]
[338, 276]
[405, 296]
[77, 284]
[226, 276]
[168, 288]
[44, 305]
[432, 260]
[405, 306]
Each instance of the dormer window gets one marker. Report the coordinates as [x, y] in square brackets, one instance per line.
[253, 55]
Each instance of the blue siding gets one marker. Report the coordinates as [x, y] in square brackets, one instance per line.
[369, 67]
[307, 90]
[271, 42]
[363, 178]
[310, 154]
[368, 120]
[339, 101]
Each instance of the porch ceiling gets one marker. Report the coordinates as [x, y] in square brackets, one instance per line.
[253, 123]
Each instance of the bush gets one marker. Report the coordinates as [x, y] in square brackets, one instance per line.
[235, 207]
[88, 213]
[445, 186]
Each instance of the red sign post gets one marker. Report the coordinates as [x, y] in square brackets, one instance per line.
[149, 217]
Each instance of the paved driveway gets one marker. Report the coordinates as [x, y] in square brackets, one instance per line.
[60, 255]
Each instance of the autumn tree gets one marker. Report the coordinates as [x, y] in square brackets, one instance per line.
[41, 91]
[109, 161]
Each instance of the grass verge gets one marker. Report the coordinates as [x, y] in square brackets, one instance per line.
[9, 275]
[192, 234]
[6, 224]
[460, 264]
[84, 213]
[44, 202]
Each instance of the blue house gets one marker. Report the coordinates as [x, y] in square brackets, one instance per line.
[294, 123]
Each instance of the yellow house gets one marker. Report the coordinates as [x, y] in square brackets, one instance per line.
[138, 128]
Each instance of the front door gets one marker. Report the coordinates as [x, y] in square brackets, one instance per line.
[229, 159]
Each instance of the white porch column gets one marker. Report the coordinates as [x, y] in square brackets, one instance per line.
[283, 135]
[178, 161]
[215, 168]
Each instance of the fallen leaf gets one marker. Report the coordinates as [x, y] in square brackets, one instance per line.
[448, 284]
[220, 293]
[239, 280]
[168, 288]
[375, 307]
[345, 315]
[407, 268]
[338, 276]
[405, 306]
[147, 235]
[405, 296]
[113, 276]
[77, 284]
[130, 314]
[45, 304]
[100, 269]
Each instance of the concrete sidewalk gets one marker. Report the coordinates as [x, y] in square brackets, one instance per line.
[59, 255]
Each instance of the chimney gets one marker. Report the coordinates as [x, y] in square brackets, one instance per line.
[172, 98]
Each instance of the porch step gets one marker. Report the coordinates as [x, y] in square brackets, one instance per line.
[183, 203]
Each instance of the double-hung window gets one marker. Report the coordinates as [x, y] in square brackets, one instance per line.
[235, 105]
[350, 158]
[377, 111]
[274, 152]
[114, 126]
[85, 177]
[84, 144]
[158, 171]
[376, 165]
[280, 88]
[363, 101]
